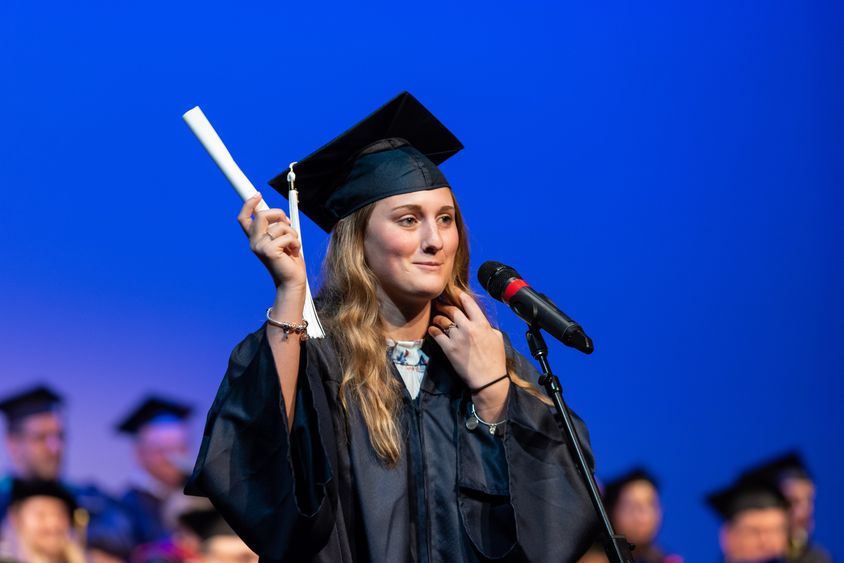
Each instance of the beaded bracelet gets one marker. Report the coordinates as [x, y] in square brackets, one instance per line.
[287, 328]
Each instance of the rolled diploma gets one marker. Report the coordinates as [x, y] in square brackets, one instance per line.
[203, 130]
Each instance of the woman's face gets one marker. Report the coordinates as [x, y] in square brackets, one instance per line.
[410, 244]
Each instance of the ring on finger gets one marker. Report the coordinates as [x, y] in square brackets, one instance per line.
[449, 327]
[269, 234]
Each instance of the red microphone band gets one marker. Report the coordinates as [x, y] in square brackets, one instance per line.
[512, 288]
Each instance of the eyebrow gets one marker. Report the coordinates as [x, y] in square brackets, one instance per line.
[418, 208]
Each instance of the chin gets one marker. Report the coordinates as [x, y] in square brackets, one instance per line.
[415, 292]
[431, 293]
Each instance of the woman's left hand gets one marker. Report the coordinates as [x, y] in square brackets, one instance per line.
[474, 348]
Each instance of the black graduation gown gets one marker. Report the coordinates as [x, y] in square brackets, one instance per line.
[321, 493]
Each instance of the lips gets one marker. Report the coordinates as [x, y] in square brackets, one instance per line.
[429, 265]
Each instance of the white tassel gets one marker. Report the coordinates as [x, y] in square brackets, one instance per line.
[309, 313]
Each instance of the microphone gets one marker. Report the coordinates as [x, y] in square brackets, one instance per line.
[505, 284]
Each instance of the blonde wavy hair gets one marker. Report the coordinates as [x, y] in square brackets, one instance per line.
[351, 311]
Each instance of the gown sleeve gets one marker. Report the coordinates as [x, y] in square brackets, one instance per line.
[521, 496]
[275, 489]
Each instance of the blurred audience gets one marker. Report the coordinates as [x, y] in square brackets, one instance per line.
[163, 455]
[35, 442]
[767, 514]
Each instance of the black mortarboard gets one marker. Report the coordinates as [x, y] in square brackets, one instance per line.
[36, 400]
[206, 523]
[151, 410]
[395, 150]
[746, 494]
[612, 489]
[23, 489]
[787, 465]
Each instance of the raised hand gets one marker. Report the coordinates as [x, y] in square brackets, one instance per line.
[275, 243]
[474, 348]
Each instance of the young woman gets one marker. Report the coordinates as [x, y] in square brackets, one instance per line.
[411, 432]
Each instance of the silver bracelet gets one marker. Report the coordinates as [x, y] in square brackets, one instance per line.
[299, 329]
[473, 421]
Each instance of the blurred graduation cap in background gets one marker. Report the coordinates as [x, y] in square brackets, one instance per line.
[394, 150]
[789, 465]
[747, 493]
[24, 489]
[153, 410]
[613, 488]
[35, 400]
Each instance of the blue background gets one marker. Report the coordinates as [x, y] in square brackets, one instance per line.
[670, 173]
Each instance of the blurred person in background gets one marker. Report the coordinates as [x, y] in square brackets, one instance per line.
[218, 542]
[201, 536]
[158, 427]
[633, 505]
[754, 518]
[41, 524]
[184, 544]
[789, 474]
[35, 440]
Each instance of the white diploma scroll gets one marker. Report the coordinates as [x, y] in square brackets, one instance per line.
[203, 130]
[206, 134]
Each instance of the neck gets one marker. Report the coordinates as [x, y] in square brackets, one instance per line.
[407, 322]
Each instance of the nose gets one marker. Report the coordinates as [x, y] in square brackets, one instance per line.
[432, 240]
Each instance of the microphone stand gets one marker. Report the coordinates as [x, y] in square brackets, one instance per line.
[615, 545]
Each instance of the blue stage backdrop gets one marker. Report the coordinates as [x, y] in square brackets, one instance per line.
[670, 174]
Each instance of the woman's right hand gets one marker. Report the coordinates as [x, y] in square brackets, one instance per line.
[275, 243]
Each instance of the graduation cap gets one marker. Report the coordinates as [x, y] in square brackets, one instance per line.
[394, 150]
[23, 489]
[613, 489]
[37, 400]
[206, 523]
[153, 410]
[786, 466]
[748, 493]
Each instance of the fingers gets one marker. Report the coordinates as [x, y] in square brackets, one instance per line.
[453, 313]
[258, 226]
[278, 229]
[471, 308]
[285, 242]
[264, 218]
[442, 322]
[245, 215]
[288, 244]
[439, 336]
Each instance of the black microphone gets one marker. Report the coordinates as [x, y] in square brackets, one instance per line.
[505, 284]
